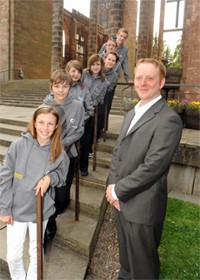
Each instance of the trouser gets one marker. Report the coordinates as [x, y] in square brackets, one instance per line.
[138, 249]
[104, 111]
[16, 235]
[62, 197]
[85, 143]
[62, 200]
[109, 98]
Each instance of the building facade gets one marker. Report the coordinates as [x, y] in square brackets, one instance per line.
[40, 36]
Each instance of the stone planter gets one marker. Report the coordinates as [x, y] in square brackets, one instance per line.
[128, 107]
[173, 75]
[192, 119]
[181, 113]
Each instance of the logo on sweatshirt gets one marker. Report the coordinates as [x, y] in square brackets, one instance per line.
[18, 175]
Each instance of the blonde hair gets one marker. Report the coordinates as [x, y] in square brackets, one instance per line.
[56, 144]
[60, 76]
[156, 63]
[124, 30]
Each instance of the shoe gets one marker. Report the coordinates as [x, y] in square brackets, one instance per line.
[90, 155]
[84, 173]
[50, 233]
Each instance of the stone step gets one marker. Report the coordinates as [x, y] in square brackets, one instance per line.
[22, 98]
[91, 200]
[12, 129]
[13, 122]
[96, 179]
[106, 146]
[63, 263]
[103, 159]
[78, 235]
[6, 139]
[21, 104]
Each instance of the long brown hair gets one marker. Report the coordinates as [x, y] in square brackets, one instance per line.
[94, 58]
[78, 66]
[56, 144]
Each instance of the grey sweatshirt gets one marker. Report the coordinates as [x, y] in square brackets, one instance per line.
[122, 51]
[71, 114]
[25, 163]
[80, 92]
[96, 86]
[112, 78]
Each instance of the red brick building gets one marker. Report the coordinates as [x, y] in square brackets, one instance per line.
[39, 36]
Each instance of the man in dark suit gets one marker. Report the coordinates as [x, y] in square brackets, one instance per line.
[137, 182]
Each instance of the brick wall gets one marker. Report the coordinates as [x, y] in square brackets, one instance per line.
[32, 24]
[4, 42]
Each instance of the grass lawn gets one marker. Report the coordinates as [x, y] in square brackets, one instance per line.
[180, 246]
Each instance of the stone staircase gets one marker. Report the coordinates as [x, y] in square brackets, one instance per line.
[75, 241]
[30, 93]
[24, 93]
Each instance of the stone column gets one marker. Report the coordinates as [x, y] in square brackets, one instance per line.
[191, 46]
[160, 37]
[146, 26]
[92, 38]
[57, 31]
[115, 16]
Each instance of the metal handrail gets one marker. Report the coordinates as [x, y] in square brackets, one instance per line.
[39, 237]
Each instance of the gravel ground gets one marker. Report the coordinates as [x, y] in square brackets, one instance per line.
[105, 259]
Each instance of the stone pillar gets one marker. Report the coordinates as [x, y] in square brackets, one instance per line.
[161, 27]
[57, 31]
[129, 22]
[191, 46]
[146, 26]
[92, 38]
[116, 11]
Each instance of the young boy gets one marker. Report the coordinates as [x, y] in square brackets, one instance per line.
[122, 51]
[71, 113]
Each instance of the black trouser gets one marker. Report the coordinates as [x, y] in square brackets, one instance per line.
[108, 100]
[62, 200]
[85, 144]
[104, 109]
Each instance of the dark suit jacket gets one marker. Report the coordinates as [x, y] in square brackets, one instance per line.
[141, 162]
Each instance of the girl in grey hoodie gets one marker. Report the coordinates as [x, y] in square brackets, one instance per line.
[34, 162]
[80, 92]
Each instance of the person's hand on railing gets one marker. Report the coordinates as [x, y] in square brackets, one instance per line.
[130, 82]
[7, 220]
[43, 185]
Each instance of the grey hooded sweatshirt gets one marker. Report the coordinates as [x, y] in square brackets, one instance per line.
[96, 86]
[25, 163]
[122, 64]
[71, 114]
[80, 92]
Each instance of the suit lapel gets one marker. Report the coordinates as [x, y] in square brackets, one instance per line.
[148, 115]
[127, 123]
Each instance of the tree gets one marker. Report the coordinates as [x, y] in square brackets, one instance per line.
[172, 59]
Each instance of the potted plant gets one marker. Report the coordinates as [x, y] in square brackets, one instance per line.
[129, 104]
[178, 106]
[192, 115]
